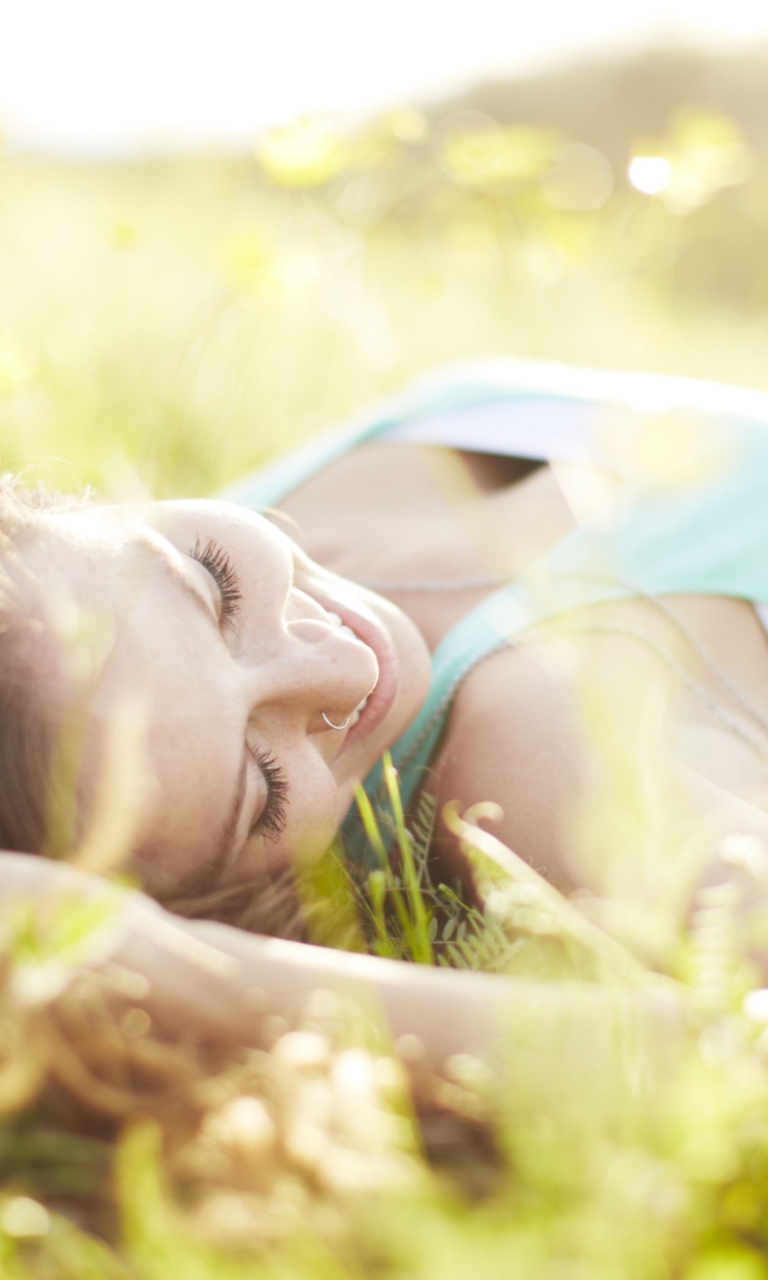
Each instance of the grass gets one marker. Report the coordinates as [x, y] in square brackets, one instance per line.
[165, 326]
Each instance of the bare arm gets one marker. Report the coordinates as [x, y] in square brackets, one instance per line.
[217, 983]
[213, 983]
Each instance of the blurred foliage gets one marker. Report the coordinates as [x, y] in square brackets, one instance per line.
[166, 324]
[622, 1134]
[478, 152]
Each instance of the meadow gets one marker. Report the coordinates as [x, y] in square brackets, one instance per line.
[169, 323]
[182, 319]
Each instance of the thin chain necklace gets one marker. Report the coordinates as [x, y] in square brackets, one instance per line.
[700, 649]
[715, 708]
[721, 713]
[436, 584]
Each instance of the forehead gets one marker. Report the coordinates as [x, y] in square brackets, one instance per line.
[103, 583]
[102, 559]
[61, 570]
[110, 534]
[86, 557]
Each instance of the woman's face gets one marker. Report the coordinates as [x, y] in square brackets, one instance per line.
[229, 644]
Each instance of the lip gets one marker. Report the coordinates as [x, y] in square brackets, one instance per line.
[371, 632]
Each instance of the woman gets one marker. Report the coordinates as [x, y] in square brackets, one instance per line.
[227, 685]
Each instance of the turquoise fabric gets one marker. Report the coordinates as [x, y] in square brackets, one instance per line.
[693, 522]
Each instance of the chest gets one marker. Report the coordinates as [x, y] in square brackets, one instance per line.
[394, 516]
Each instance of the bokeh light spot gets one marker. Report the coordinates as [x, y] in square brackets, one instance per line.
[408, 124]
[305, 153]
[650, 174]
[24, 1219]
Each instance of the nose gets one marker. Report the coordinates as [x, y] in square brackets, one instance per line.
[314, 667]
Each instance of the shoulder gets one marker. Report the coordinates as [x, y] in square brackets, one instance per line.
[511, 737]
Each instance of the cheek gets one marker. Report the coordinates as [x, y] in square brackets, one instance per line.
[310, 839]
[346, 796]
[313, 819]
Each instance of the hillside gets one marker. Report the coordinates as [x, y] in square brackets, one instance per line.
[608, 101]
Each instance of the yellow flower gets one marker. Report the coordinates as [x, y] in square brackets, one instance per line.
[305, 153]
[489, 155]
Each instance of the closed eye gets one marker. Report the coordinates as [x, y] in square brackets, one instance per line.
[273, 817]
[212, 556]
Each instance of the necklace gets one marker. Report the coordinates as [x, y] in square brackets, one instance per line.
[702, 652]
[437, 584]
[715, 708]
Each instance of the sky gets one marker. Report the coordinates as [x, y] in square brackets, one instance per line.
[108, 76]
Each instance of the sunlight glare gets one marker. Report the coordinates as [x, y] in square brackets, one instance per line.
[650, 174]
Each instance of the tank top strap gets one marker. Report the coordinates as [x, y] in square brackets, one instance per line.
[493, 626]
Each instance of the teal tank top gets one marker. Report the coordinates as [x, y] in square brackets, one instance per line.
[686, 509]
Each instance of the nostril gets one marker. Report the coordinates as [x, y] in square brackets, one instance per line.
[310, 630]
[313, 629]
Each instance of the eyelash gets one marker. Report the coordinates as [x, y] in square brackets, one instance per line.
[274, 814]
[216, 560]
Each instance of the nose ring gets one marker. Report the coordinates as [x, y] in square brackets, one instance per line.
[330, 723]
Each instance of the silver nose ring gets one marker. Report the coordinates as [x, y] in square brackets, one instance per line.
[330, 723]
